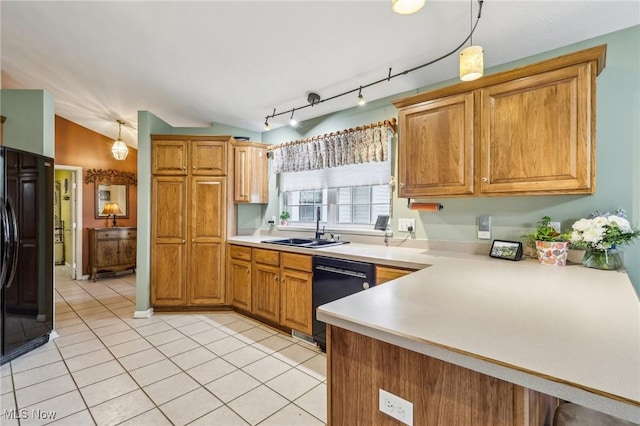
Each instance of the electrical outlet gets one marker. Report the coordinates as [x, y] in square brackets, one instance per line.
[404, 224]
[555, 225]
[396, 407]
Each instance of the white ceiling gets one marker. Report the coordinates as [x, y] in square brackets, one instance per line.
[232, 62]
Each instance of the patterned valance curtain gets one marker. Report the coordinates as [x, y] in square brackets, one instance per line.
[354, 146]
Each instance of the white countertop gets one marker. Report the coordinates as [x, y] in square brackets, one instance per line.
[570, 332]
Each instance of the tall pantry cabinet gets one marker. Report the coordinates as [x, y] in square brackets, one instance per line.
[188, 220]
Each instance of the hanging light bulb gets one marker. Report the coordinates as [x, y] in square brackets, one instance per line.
[119, 148]
[266, 124]
[361, 100]
[472, 57]
[293, 121]
[407, 7]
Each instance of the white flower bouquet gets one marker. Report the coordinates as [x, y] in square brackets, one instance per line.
[603, 231]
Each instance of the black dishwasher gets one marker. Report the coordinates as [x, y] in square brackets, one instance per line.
[334, 279]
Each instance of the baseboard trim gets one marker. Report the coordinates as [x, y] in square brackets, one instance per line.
[143, 314]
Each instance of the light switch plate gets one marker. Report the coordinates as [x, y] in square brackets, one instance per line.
[484, 227]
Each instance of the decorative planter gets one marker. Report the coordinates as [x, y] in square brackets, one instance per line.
[283, 222]
[552, 253]
[603, 259]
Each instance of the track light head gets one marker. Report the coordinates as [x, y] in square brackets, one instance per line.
[361, 100]
[313, 98]
[266, 124]
[293, 121]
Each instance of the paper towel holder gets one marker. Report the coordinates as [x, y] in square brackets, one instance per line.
[429, 207]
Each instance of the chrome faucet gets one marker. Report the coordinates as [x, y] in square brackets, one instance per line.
[318, 233]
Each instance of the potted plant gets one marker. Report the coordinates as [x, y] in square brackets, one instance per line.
[284, 216]
[550, 245]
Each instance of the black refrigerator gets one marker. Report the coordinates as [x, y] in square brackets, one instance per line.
[26, 251]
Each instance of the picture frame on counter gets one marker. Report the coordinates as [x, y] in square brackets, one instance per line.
[509, 250]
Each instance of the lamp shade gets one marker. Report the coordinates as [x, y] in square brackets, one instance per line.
[119, 150]
[111, 209]
[407, 7]
[471, 63]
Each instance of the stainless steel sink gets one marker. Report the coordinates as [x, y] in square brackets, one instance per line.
[305, 242]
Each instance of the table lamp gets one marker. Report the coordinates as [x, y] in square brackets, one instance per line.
[111, 209]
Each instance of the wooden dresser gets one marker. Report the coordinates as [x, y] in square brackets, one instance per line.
[112, 249]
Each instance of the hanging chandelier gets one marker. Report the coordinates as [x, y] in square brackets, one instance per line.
[119, 148]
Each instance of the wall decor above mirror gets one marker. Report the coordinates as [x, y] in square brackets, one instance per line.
[110, 186]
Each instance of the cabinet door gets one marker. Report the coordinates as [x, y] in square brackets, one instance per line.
[242, 179]
[295, 300]
[207, 232]
[168, 239]
[169, 157]
[536, 134]
[240, 284]
[266, 292]
[127, 252]
[107, 253]
[208, 158]
[435, 151]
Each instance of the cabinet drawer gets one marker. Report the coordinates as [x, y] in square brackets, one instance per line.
[240, 252]
[268, 257]
[120, 234]
[301, 262]
[388, 273]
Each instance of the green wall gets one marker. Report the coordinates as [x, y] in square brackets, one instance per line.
[617, 168]
[30, 120]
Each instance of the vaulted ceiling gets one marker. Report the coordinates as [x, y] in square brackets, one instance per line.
[193, 63]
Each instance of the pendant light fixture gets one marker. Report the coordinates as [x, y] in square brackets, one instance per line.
[407, 7]
[119, 148]
[472, 57]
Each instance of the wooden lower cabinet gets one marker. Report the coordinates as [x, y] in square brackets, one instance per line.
[272, 285]
[388, 273]
[265, 292]
[296, 292]
[442, 393]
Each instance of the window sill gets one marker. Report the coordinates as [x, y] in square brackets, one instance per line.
[340, 231]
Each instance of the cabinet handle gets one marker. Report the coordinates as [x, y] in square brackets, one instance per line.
[401, 185]
[193, 167]
[275, 277]
[193, 240]
[484, 179]
[247, 272]
[184, 167]
[183, 241]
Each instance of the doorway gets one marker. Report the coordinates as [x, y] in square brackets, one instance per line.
[67, 219]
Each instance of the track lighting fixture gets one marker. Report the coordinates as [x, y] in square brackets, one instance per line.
[119, 148]
[266, 124]
[361, 100]
[472, 57]
[477, 61]
[407, 7]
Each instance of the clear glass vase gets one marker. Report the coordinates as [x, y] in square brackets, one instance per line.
[603, 259]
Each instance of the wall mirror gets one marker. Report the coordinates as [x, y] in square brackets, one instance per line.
[110, 187]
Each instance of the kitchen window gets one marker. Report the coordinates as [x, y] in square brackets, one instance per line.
[345, 207]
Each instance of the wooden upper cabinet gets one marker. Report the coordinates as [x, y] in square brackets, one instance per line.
[189, 154]
[208, 158]
[536, 134]
[437, 147]
[169, 157]
[527, 131]
[251, 179]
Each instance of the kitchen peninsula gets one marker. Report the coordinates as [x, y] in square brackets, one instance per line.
[571, 333]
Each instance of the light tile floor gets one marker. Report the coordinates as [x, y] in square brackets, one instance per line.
[107, 368]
